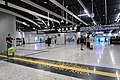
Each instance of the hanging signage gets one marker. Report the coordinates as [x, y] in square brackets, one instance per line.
[102, 27]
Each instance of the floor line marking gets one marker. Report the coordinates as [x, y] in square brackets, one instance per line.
[35, 53]
[3, 56]
[70, 68]
[66, 67]
[43, 49]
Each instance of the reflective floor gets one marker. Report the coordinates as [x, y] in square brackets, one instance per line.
[9, 71]
[61, 62]
[102, 54]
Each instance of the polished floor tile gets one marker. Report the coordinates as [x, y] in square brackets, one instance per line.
[103, 55]
[86, 72]
[9, 71]
[62, 62]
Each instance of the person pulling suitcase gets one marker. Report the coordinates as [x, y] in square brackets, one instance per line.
[9, 41]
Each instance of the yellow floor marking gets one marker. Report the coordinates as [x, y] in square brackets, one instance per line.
[67, 67]
[3, 56]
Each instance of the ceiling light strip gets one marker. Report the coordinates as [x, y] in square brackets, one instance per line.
[46, 10]
[85, 9]
[24, 23]
[82, 15]
[15, 14]
[31, 12]
[12, 13]
[118, 18]
[63, 8]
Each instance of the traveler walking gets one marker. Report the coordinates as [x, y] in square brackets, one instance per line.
[49, 41]
[81, 42]
[55, 39]
[88, 42]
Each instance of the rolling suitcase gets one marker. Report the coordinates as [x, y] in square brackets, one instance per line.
[11, 51]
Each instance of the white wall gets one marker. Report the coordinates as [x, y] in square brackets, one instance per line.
[61, 39]
[78, 34]
[30, 37]
[7, 26]
[20, 34]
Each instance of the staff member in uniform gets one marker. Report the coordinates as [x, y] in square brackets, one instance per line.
[9, 40]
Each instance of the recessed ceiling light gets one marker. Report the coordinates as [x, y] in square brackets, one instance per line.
[67, 6]
[62, 29]
[53, 26]
[115, 9]
[66, 28]
[75, 28]
[70, 28]
[62, 21]
[34, 28]
[45, 2]
[66, 22]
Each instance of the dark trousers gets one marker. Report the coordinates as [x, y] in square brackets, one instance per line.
[48, 44]
[8, 46]
[88, 44]
[55, 41]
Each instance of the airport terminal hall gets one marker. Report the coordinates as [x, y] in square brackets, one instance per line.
[59, 39]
